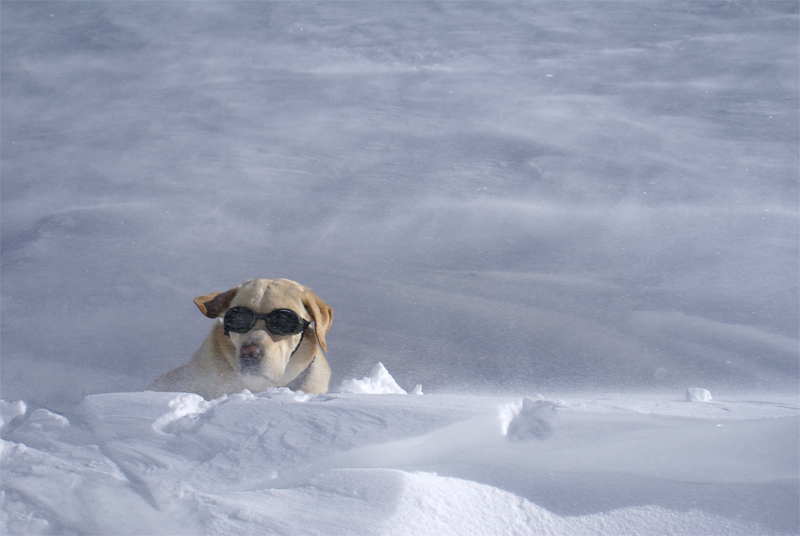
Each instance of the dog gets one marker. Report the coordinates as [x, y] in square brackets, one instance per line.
[268, 333]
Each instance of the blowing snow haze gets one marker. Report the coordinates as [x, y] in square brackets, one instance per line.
[501, 196]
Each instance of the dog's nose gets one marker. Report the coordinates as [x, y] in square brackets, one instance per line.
[250, 351]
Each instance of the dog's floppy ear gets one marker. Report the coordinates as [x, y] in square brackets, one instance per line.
[321, 312]
[213, 304]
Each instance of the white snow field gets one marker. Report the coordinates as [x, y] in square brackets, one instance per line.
[592, 201]
[290, 463]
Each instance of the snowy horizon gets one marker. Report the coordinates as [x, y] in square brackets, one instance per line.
[492, 196]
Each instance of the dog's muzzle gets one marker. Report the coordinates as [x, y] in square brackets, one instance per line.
[250, 359]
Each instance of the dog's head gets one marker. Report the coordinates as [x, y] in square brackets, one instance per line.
[265, 342]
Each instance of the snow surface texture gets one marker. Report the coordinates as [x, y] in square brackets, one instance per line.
[495, 196]
[503, 198]
[288, 463]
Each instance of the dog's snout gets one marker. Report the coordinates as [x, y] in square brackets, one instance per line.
[249, 357]
[250, 351]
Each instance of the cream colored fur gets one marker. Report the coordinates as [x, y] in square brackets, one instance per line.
[214, 369]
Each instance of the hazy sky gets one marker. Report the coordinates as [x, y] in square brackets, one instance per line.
[513, 196]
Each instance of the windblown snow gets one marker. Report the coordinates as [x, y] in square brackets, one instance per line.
[364, 463]
[532, 209]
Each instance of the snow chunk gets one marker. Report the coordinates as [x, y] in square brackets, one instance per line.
[44, 420]
[186, 410]
[11, 410]
[379, 382]
[530, 419]
[697, 394]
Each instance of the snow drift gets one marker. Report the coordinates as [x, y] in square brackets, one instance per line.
[289, 463]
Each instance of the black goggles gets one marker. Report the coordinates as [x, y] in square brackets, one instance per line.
[279, 321]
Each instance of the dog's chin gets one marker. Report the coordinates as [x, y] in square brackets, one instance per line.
[255, 383]
[257, 370]
[248, 366]
[251, 367]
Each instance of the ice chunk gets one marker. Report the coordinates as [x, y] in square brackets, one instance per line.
[697, 394]
[379, 382]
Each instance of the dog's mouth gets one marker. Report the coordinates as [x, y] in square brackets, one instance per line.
[250, 359]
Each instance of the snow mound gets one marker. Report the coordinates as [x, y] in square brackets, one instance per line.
[282, 463]
[379, 382]
[533, 420]
[698, 394]
[186, 412]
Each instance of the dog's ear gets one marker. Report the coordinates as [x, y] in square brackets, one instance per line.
[321, 312]
[213, 304]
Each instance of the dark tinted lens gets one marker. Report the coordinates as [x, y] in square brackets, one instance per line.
[239, 319]
[284, 322]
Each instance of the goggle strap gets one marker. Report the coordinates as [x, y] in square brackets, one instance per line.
[296, 348]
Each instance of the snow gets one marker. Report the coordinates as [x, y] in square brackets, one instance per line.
[698, 394]
[379, 382]
[345, 463]
[572, 222]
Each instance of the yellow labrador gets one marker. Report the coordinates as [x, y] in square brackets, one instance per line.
[263, 338]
